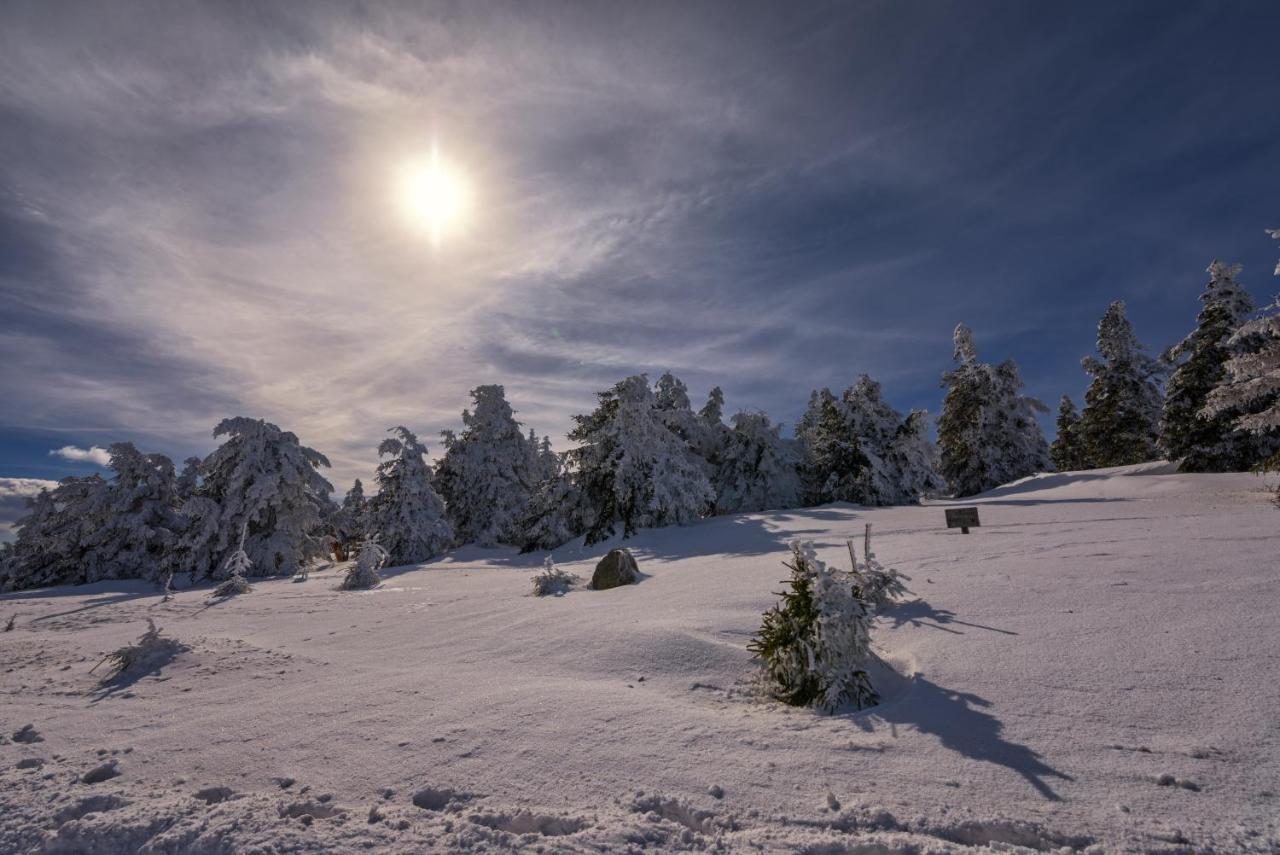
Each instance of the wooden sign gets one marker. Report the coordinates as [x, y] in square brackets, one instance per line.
[963, 519]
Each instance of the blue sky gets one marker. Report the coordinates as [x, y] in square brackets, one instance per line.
[197, 215]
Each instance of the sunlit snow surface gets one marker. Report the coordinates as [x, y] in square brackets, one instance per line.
[1097, 665]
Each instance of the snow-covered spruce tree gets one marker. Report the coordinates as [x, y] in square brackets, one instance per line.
[362, 575]
[815, 643]
[758, 469]
[1067, 453]
[486, 474]
[89, 529]
[671, 399]
[1016, 438]
[1209, 443]
[1121, 419]
[408, 514]
[135, 521]
[987, 431]
[915, 458]
[50, 537]
[631, 469]
[189, 480]
[556, 514]
[713, 432]
[899, 456]
[349, 522]
[1252, 387]
[261, 481]
[834, 466]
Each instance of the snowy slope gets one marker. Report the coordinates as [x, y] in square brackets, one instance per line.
[1102, 633]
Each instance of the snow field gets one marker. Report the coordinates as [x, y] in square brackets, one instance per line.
[1094, 669]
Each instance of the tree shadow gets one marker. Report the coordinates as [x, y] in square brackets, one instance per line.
[960, 722]
[918, 612]
[150, 661]
[1030, 503]
[97, 602]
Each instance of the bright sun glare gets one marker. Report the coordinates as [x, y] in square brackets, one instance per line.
[434, 195]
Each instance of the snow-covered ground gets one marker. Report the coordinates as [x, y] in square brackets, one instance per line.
[1097, 666]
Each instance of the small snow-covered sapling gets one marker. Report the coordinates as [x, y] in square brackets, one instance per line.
[364, 573]
[815, 642]
[552, 581]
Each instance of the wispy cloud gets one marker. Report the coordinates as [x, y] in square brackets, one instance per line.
[200, 205]
[93, 454]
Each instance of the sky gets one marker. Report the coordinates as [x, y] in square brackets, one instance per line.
[200, 210]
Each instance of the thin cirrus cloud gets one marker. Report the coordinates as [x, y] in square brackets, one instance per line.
[197, 216]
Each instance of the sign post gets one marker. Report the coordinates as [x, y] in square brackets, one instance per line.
[963, 519]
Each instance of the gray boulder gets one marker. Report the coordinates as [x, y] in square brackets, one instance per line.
[616, 568]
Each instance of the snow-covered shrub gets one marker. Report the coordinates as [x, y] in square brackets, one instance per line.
[147, 654]
[552, 581]
[236, 567]
[815, 643]
[879, 586]
[364, 573]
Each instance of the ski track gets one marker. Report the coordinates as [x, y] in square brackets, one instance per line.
[1095, 669]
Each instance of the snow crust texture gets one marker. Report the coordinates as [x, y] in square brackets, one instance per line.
[1092, 670]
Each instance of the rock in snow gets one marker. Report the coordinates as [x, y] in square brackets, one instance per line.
[615, 569]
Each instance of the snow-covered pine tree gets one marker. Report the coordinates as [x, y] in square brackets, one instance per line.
[349, 524]
[899, 456]
[987, 433]
[758, 469]
[1121, 418]
[671, 400]
[1067, 453]
[713, 433]
[834, 466]
[960, 440]
[264, 482]
[815, 643]
[1252, 388]
[486, 475]
[1209, 443]
[556, 514]
[407, 515]
[88, 529]
[135, 524]
[50, 536]
[914, 458]
[189, 480]
[633, 470]
[1013, 429]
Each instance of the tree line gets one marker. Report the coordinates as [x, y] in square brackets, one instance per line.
[644, 458]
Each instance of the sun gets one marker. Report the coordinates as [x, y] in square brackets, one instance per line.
[434, 196]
